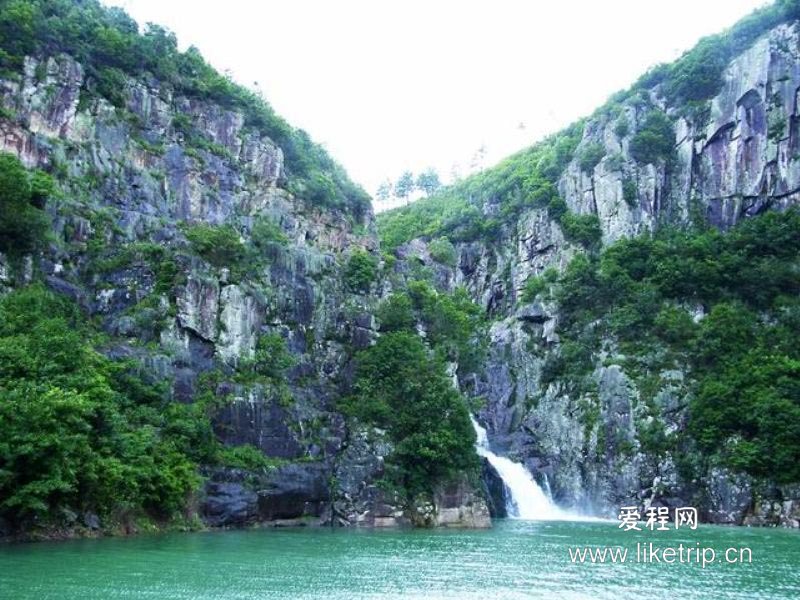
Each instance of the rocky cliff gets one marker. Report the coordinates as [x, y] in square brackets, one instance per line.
[135, 179]
[728, 157]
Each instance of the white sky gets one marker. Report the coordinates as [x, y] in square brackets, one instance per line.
[389, 85]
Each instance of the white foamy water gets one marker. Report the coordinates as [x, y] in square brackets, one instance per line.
[524, 498]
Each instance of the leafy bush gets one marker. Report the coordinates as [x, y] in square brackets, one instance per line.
[401, 388]
[582, 229]
[443, 251]
[654, 139]
[272, 358]
[590, 155]
[557, 208]
[538, 284]
[396, 313]
[23, 224]
[630, 192]
[698, 75]
[80, 432]
[621, 127]
[265, 232]
[218, 244]
[246, 457]
[361, 270]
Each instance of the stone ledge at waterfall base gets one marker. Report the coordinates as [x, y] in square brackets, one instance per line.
[298, 494]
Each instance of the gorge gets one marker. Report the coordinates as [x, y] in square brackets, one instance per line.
[204, 325]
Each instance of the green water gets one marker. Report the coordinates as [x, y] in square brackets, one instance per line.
[513, 560]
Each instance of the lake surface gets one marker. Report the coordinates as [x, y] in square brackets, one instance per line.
[516, 559]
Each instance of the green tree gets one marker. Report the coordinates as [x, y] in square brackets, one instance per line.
[80, 433]
[654, 139]
[428, 181]
[361, 270]
[590, 155]
[443, 251]
[220, 245]
[272, 358]
[401, 388]
[384, 191]
[23, 224]
[404, 185]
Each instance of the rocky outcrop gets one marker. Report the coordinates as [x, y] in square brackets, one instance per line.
[734, 156]
[133, 179]
[458, 505]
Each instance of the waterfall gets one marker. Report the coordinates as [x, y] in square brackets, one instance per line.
[524, 498]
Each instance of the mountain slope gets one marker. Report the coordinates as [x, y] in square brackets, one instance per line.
[185, 280]
[600, 374]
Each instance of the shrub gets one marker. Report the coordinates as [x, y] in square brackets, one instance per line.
[246, 457]
[81, 433]
[698, 75]
[590, 155]
[557, 208]
[265, 232]
[537, 284]
[218, 244]
[111, 83]
[582, 229]
[272, 358]
[396, 313]
[401, 388]
[361, 270]
[23, 224]
[443, 251]
[654, 140]
[621, 126]
[630, 192]
[615, 162]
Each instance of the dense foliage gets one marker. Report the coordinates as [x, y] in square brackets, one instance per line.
[454, 325]
[403, 389]
[443, 251]
[402, 384]
[526, 179]
[220, 245]
[81, 433]
[107, 42]
[654, 138]
[361, 270]
[23, 222]
[742, 355]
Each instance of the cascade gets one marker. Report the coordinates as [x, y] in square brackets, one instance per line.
[524, 498]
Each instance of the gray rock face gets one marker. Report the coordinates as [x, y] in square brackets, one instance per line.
[132, 181]
[740, 161]
[457, 505]
[592, 444]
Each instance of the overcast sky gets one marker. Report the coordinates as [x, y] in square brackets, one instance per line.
[394, 85]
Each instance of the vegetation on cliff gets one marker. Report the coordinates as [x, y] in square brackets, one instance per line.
[721, 306]
[524, 180]
[481, 205]
[107, 42]
[402, 386]
[82, 433]
[24, 225]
